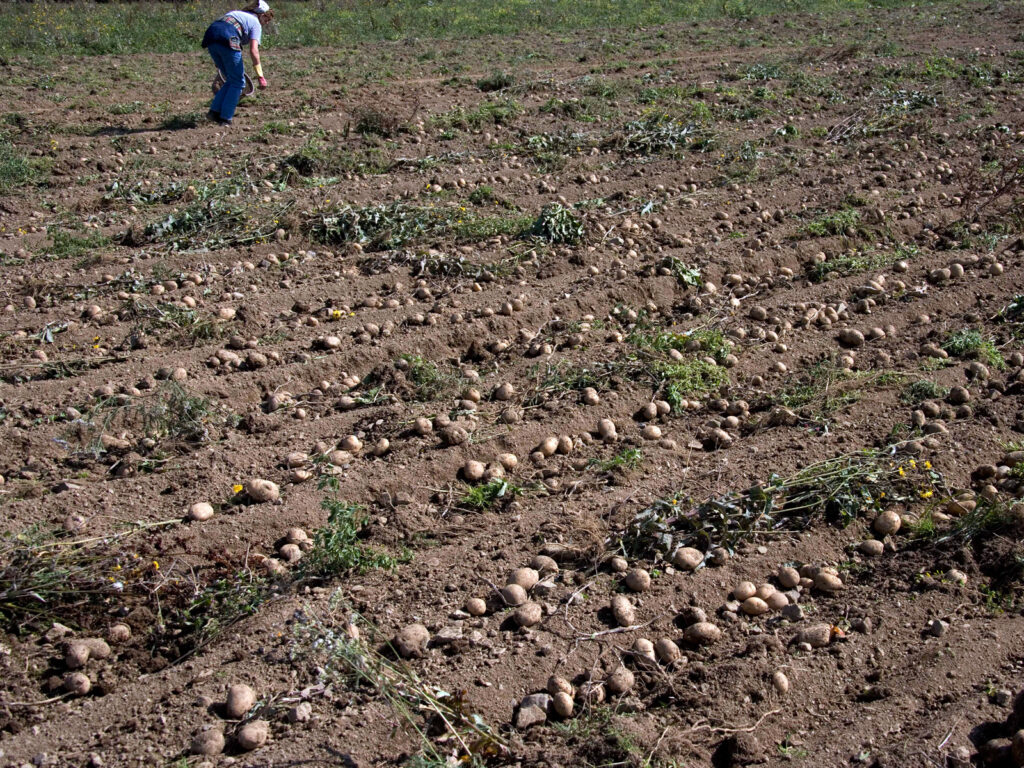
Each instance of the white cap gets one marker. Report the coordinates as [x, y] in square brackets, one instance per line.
[262, 7]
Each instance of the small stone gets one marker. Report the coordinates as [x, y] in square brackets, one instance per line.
[300, 713]
[936, 627]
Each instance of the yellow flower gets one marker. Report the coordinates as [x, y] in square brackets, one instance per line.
[926, 494]
[902, 473]
[927, 465]
[156, 565]
[236, 488]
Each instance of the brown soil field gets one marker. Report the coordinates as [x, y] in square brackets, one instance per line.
[661, 325]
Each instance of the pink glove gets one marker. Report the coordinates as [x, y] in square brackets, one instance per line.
[263, 82]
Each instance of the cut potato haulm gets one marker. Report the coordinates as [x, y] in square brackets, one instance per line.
[550, 384]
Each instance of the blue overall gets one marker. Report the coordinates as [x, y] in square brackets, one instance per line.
[223, 41]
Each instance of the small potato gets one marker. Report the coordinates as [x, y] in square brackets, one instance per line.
[642, 647]
[558, 685]
[743, 590]
[544, 565]
[687, 558]
[781, 682]
[623, 611]
[473, 471]
[754, 606]
[825, 581]
[788, 577]
[638, 580]
[76, 655]
[119, 633]
[527, 578]
[871, 547]
[548, 446]
[239, 701]
[619, 681]
[561, 704]
[253, 735]
[98, 647]
[77, 683]
[887, 523]
[200, 512]
[261, 491]
[508, 461]
[777, 600]
[702, 633]
[476, 606]
[764, 591]
[209, 742]
[528, 614]
[513, 594]
[667, 651]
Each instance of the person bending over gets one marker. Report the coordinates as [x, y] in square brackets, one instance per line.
[224, 39]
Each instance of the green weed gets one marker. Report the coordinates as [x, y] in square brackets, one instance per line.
[836, 223]
[16, 170]
[627, 458]
[970, 343]
[921, 390]
[337, 546]
[490, 494]
[65, 245]
[558, 224]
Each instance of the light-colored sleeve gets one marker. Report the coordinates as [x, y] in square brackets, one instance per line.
[257, 32]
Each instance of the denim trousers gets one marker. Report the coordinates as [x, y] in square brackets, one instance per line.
[229, 62]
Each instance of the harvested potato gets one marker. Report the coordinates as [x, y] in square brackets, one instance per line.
[208, 742]
[513, 594]
[76, 655]
[638, 580]
[253, 735]
[743, 590]
[642, 647]
[526, 578]
[619, 681]
[561, 704]
[528, 614]
[754, 606]
[558, 685]
[687, 558]
[77, 683]
[702, 633]
[239, 701]
[200, 512]
[261, 491]
[476, 606]
[887, 523]
[623, 611]
[667, 651]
